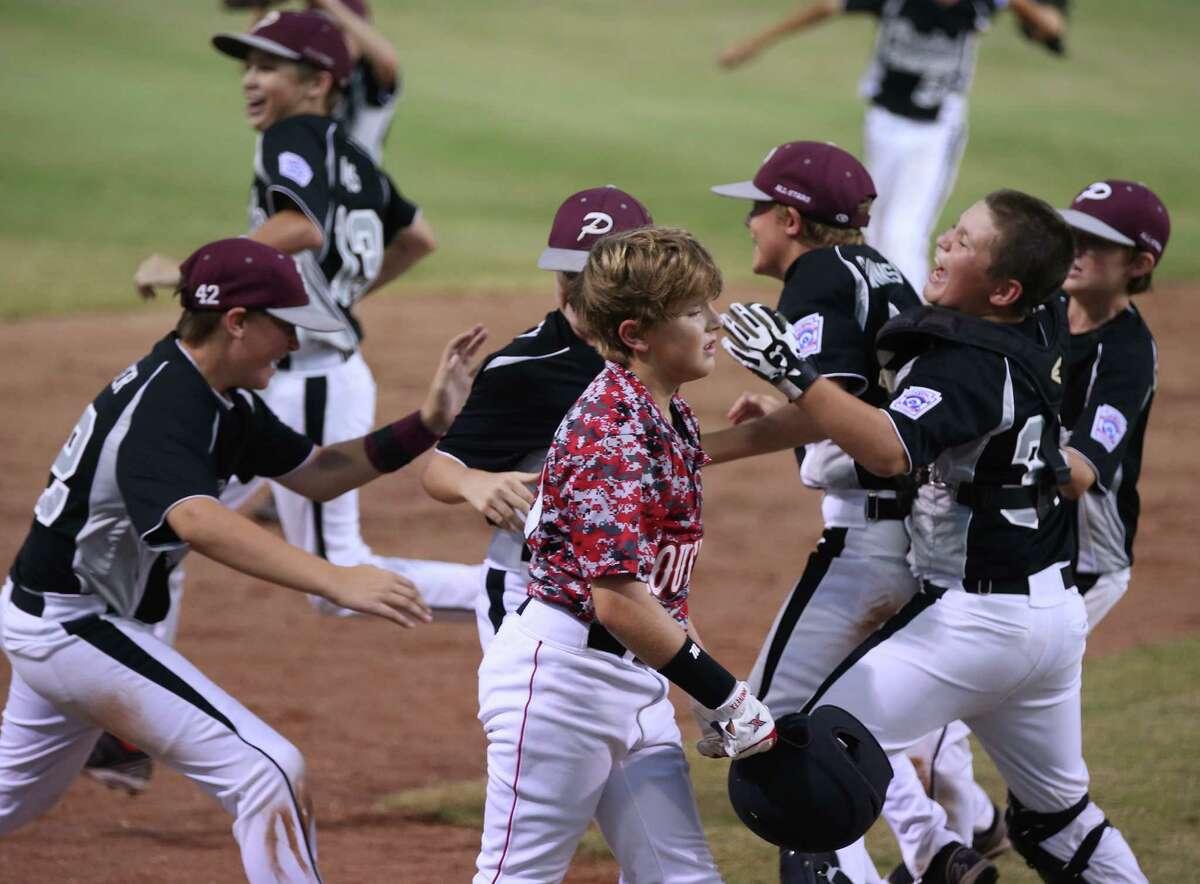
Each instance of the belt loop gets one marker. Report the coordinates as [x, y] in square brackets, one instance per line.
[985, 586]
[871, 507]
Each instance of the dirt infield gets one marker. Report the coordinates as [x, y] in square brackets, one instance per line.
[376, 709]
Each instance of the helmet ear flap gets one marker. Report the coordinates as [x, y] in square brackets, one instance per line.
[819, 789]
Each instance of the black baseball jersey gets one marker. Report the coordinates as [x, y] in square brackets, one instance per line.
[517, 401]
[366, 109]
[1111, 375]
[156, 436]
[837, 299]
[975, 417]
[924, 52]
[307, 163]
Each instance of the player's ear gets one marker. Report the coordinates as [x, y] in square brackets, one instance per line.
[1142, 263]
[633, 336]
[1006, 294]
[793, 221]
[234, 321]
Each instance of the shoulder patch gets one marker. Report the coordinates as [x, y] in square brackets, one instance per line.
[807, 331]
[1108, 427]
[294, 166]
[915, 401]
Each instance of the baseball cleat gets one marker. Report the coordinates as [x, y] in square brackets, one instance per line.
[119, 765]
[993, 840]
[958, 864]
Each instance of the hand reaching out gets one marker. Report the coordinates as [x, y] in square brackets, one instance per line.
[452, 381]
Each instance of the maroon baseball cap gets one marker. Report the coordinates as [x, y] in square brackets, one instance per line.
[582, 219]
[297, 36]
[240, 272]
[822, 181]
[1124, 212]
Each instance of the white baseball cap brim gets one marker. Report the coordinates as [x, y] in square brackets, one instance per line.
[742, 190]
[239, 46]
[1090, 224]
[565, 260]
[309, 316]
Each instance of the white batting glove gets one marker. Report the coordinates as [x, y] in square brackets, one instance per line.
[745, 725]
[762, 341]
[710, 744]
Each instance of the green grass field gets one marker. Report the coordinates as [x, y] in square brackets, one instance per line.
[1139, 710]
[123, 129]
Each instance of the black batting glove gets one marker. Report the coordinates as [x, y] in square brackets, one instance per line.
[762, 340]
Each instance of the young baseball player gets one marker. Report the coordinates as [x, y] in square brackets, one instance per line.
[810, 203]
[573, 689]
[916, 87]
[317, 196]
[1121, 230]
[369, 97]
[497, 445]
[996, 635]
[133, 489]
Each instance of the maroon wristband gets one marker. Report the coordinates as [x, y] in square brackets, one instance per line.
[398, 443]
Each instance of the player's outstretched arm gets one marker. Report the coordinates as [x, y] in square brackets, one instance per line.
[503, 499]
[214, 530]
[154, 273]
[763, 433]
[289, 231]
[1046, 23]
[410, 245]
[335, 469]
[801, 19]
[374, 47]
[762, 341]
[626, 608]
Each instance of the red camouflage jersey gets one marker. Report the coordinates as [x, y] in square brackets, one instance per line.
[620, 494]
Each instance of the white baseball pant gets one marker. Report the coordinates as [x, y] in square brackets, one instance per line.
[1010, 667]
[575, 734]
[914, 164]
[77, 672]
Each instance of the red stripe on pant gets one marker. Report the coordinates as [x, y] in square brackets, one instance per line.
[517, 775]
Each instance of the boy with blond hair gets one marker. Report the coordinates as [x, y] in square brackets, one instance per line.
[573, 690]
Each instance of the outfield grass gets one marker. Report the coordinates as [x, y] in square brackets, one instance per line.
[1140, 710]
[124, 132]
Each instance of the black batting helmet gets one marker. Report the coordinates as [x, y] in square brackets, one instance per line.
[819, 789]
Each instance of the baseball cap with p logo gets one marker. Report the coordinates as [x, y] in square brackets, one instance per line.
[1123, 212]
[240, 272]
[582, 219]
[820, 180]
[297, 36]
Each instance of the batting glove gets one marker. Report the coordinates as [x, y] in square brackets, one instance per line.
[762, 340]
[744, 724]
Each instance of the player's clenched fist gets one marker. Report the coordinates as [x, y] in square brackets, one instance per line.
[371, 590]
[744, 724]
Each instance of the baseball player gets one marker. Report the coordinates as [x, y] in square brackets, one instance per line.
[135, 486]
[810, 201]
[916, 87]
[1109, 377]
[497, 445]
[996, 635]
[573, 689]
[369, 97]
[317, 196]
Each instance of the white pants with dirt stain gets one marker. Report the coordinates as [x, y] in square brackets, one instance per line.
[77, 672]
